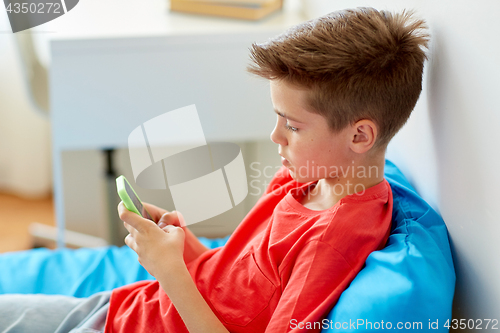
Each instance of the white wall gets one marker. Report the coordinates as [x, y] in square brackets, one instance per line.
[449, 149]
[24, 135]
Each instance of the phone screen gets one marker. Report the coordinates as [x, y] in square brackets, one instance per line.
[137, 203]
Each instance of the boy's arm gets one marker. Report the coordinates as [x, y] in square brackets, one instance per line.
[188, 301]
[160, 252]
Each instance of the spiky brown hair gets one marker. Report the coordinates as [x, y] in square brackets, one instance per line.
[357, 64]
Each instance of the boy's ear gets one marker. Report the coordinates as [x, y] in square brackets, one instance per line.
[364, 134]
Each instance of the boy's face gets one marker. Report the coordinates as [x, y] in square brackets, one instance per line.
[308, 147]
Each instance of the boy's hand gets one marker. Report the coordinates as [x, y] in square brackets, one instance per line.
[160, 250]
[193, 248]
[163, 217]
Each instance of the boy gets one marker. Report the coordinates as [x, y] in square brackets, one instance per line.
[342, 85]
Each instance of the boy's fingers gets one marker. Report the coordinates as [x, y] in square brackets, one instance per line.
[122, 209]
[155, 211]
[172, 218]
[137, 222]
[169, 228]
[169, 218]
[129, 227]
[129, 240]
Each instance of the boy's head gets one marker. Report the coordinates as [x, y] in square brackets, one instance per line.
[352, 65]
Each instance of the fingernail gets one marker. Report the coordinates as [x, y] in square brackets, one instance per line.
[162, 224]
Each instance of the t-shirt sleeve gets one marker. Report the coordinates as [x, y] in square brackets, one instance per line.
[308, 292]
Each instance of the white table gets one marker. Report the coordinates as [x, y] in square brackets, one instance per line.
[115, 64]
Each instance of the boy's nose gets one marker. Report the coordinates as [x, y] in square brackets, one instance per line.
[278, 137]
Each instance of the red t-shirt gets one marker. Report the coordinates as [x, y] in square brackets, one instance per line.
[284, 264]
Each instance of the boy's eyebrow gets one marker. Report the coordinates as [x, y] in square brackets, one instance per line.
[284, 115]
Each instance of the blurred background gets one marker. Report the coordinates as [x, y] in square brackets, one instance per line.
[29, 130]
[110, 67]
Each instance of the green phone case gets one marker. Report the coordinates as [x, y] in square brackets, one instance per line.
[127, 201]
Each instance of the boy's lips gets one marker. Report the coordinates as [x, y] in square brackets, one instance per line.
[284, 161]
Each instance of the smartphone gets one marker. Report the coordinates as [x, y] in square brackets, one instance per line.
[130, 198]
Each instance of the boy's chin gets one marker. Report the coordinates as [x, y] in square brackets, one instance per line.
[292, 174]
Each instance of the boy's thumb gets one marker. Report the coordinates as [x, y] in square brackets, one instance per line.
[169, 218]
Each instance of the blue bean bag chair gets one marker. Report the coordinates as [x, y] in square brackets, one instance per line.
[407, 285]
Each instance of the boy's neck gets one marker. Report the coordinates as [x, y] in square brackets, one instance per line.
[351, 179]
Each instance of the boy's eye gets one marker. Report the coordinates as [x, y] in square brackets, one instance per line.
[290, 128]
